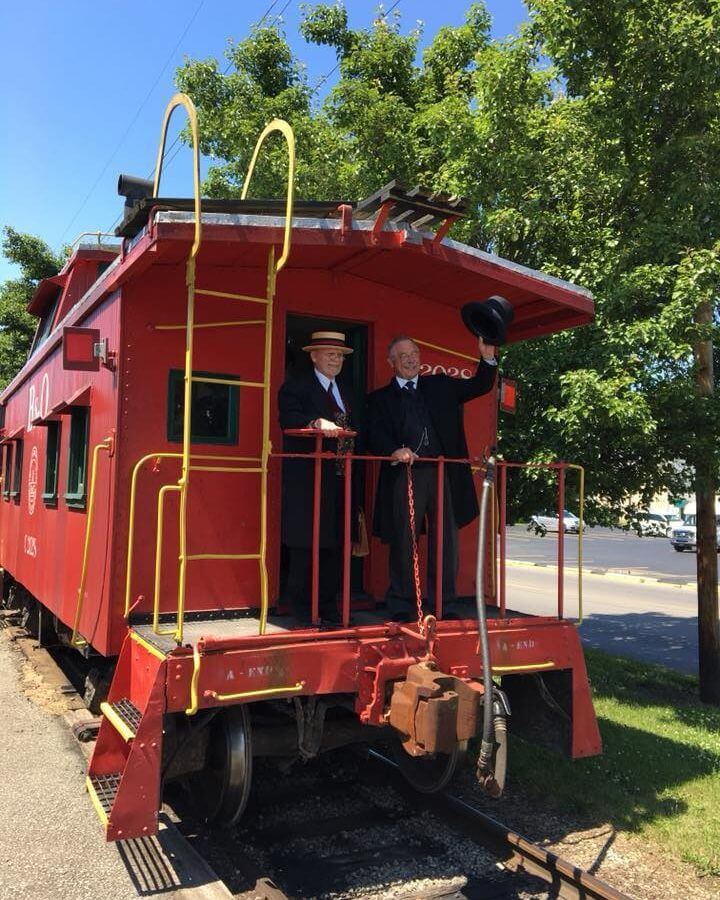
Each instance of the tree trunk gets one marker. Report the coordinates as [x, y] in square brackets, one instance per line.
[705, 489]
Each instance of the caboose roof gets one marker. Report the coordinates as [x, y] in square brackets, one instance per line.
[410, 262]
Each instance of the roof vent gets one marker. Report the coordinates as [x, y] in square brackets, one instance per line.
[134, 189]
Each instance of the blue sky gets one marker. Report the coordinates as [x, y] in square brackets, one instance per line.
[85, 85]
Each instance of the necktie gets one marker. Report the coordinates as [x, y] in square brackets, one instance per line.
[331, 397]
[410, 387]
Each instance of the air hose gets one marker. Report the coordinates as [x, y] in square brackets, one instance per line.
[489, 729]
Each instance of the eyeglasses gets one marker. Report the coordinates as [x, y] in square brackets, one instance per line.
[405, 357]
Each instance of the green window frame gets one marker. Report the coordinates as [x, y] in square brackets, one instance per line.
[77, 457]
[7, 472]
[17, 471]
[218, 401]
[52, 461]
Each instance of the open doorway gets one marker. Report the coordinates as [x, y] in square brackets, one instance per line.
[353, 381]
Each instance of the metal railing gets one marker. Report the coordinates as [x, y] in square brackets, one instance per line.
[560, 468]
[317, 455]
[183, 484]
[107, 445]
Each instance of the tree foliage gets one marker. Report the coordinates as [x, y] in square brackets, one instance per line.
[17, 327]
[589, 145]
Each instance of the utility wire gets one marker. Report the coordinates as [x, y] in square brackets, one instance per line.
[334, 69]
[168, 159]
[135, 118]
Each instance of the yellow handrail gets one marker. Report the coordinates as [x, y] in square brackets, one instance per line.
[287, 132]
[133, 495]
[184, 101]
[166, 488]
[184, 480]
[76, 640]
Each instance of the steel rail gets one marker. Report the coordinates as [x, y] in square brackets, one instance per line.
[570, 881]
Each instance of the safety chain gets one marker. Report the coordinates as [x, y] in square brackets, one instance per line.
[416, 560]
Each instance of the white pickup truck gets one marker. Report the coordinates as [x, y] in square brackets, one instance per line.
[684, 536]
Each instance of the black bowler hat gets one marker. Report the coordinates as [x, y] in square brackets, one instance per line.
[489, 319]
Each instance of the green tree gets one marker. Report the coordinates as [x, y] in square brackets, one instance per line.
[589, 146]
[17, 326]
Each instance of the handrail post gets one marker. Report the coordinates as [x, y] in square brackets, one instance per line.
[266, 445]
[184, 480]
[347, 539]
[502, 490]
[76, 640]
[561, 539]
[315, 551]
[439, 538]
[166, 488]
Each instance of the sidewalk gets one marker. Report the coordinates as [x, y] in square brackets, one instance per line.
[52, 845]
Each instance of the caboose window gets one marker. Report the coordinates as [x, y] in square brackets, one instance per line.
[46, 321]
[7, 473]
[77, 463]
[214, 418]
[17, 470]
[52, 458]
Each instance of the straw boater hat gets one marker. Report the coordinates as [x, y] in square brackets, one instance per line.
[328, 340]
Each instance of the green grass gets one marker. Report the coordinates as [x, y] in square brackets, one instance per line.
[659, 775]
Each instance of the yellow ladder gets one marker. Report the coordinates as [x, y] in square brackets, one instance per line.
[187, 466]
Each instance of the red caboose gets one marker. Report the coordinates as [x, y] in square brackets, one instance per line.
[141, 492]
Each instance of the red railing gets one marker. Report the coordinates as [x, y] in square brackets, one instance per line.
[318, 455]
[560, 468]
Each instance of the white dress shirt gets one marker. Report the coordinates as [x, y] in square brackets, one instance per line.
[403, 381]
[325, 381]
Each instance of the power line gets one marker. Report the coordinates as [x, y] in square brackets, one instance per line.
[135, 117]
[167, 158]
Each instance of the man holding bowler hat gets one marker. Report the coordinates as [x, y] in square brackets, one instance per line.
[418, 416]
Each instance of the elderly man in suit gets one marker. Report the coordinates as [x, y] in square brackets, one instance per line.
[412, 417]
[314, 400]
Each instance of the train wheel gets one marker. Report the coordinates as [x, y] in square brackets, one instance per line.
[220, 791]
[429, 774]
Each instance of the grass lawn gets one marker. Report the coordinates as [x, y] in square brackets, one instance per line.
[659, 775]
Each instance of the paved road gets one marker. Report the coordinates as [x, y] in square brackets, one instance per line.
[607, 549]
[646, 621]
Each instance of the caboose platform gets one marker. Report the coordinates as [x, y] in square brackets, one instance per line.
[242, 624]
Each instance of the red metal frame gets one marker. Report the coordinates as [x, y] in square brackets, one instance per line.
[138, 307]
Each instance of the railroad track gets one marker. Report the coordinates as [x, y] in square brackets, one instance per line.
[362, 834]
[348, 829]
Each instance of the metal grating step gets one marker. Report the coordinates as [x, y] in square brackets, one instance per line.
[106, 788]
[128, 712]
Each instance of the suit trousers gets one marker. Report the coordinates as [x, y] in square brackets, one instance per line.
[299, 582]
[401, 593]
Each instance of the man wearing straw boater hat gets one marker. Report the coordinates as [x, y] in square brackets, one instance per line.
[315, 400]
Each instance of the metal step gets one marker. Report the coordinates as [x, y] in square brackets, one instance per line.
[124, 716]
[103, 790]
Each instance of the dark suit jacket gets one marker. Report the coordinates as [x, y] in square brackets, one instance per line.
[300, 401]
[444, 398]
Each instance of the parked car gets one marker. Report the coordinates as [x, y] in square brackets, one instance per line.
[543, 522]
[674, 521]
[650, 524]
[684, 536]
